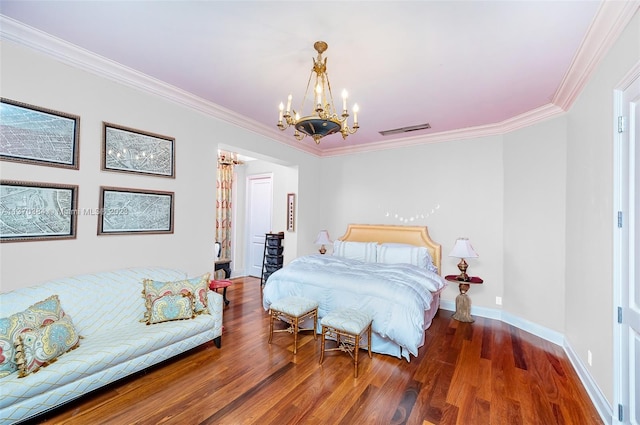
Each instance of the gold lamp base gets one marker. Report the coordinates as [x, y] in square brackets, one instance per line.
[462, 266]
[322, 249]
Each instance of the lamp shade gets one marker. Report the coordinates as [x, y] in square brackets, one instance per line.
[323, 238]
[463, 249]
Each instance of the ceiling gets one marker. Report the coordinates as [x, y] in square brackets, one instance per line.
[465, 67]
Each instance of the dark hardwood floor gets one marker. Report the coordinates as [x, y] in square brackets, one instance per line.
[479, 373]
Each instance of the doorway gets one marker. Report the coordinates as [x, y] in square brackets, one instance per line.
[259, 207]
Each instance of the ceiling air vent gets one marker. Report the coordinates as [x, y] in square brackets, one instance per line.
[406, 129]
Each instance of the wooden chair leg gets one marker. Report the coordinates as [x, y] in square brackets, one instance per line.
[270, 326]
[369, 341]
[295, 335]
[322, 345]
[356, 349]
[315, 324]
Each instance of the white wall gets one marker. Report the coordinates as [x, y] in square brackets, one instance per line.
[534, 223]
[36, 79]
[590, 211]
[454, 188]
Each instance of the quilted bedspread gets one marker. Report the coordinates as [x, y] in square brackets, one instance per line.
[395, 295]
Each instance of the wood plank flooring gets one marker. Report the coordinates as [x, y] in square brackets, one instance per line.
[486, 372]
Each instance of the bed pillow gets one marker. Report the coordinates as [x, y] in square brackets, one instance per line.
[171, 307]
[39, 347]
[362, 251]
[34, 317]
[395, 253]
[198, 287]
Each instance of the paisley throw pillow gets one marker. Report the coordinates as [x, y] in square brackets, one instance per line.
[39, 347]
[40, 314]
[171, 307]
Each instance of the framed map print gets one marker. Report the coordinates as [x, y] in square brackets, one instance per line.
[130, 211]
[35, 135]
[37, 211]
[134, 151]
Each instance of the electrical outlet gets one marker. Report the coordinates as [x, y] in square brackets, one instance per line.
[499, 300]
[589, 358]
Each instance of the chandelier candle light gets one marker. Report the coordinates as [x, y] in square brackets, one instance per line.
[323, 119]
[463, 249]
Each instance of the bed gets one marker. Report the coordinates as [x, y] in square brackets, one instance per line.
[391, 272]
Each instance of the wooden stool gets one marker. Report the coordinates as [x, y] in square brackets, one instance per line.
[346, 326]
[214, 285]
[293, 310]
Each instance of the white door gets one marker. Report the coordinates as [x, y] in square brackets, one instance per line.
[259, 206]
[627, 256]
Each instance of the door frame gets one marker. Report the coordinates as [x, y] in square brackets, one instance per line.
[622, 187]
[247, 242]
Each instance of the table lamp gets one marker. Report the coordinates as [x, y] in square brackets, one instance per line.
[322, 239]
[463, 249]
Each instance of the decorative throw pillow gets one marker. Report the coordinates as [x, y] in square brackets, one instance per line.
[394, 253]
[198, 287]
[171, 307]
[362, 251]
[39, 347]
[34, 317]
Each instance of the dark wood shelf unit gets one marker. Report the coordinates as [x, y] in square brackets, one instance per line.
[273, 257]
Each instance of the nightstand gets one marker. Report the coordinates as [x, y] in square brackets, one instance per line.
[463, 302]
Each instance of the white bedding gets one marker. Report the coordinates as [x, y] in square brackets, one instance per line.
[396, 295]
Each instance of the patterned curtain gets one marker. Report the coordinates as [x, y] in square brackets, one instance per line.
[224, 208]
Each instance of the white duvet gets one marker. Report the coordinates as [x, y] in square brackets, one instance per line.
[395, 295]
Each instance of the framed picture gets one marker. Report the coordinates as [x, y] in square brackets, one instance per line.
[134, 151]
[37, 211]
[129, 211]
[291, 210]
[39, 136]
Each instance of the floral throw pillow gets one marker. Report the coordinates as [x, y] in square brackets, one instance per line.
[171, 307]
[198, 287]
[38, 315]
[39, 347]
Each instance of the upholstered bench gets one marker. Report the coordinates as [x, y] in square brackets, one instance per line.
[293, 310]
[347, 327]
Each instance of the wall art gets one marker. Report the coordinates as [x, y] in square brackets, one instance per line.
[32, 211]
[35, 135]
[134, 151]
[129, 211]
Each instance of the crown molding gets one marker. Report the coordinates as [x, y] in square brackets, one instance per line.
[610, 20]
[521, 121]
[77, 57]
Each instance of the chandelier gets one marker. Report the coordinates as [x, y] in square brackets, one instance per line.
[323, 119]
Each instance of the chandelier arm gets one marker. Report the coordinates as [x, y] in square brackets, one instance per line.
[333, 105]
[304, 99]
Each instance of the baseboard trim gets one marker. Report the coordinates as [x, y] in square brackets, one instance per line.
[599, 400]
[595, 394]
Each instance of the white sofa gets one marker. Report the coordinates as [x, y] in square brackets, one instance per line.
[106, 310]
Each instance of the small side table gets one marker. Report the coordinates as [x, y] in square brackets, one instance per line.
[463, 302]
[223, 264]
[214, 285]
